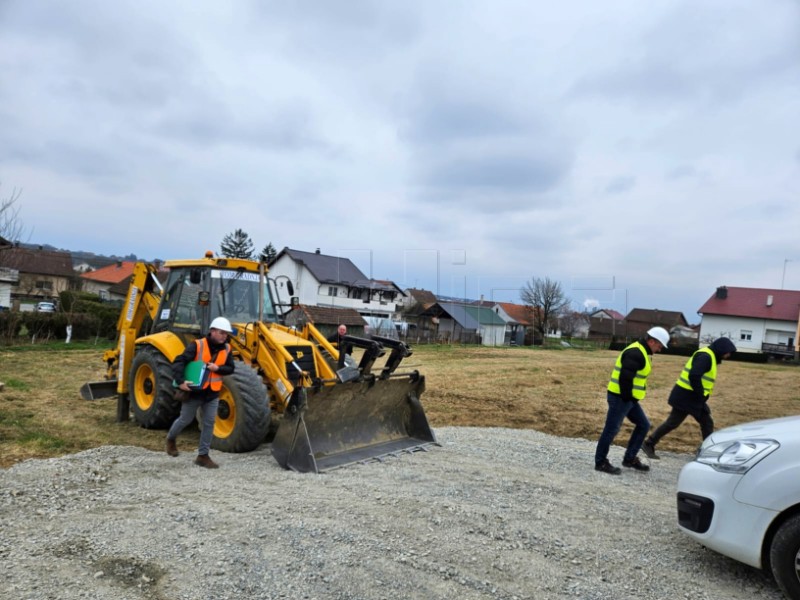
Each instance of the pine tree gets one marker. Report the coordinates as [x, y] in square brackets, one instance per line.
[268, 253]
[237, 245]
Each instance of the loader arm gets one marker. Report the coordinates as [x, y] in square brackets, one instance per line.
[141, 301]
[257, 345]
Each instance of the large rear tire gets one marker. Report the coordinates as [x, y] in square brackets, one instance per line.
[151, 392]
[243, 416]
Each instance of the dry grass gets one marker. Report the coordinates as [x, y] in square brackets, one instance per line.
[556, 391]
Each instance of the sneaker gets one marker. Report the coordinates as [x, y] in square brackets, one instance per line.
[203, 460]
[607, 467]
[635, 464]
[649, 448]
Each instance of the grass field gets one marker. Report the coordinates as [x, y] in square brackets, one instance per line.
[558, 391]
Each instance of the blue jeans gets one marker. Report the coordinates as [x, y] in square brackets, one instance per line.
[188, 412]
[618, 409]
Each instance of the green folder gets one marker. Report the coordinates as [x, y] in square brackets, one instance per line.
[194, 374]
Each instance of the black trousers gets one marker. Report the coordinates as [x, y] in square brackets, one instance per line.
[676, 417]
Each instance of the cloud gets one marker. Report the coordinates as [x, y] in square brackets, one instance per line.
[621, 184]
[534, 140]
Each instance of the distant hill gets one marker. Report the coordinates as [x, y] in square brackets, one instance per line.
[95, 260]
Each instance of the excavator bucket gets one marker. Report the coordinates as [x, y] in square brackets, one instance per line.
[333, 426]
[95, 390]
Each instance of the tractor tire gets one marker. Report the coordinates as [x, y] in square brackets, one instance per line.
[151, 391]
[243, 416]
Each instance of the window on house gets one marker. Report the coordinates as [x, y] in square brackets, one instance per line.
[745, 335]
[333, 291]
[44, 285]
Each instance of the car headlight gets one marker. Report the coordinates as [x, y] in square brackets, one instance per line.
[736, 456]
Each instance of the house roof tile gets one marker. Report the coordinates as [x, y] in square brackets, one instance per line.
[326, 269]
[467, 316]
[39, 262]
[519, 312]
[652, 317]
[114, 273]
[754, 303]
[421, 296]
[327, 315]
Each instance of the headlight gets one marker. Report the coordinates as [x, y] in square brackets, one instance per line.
[736, 456]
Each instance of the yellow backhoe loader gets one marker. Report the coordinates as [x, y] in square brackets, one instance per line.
[329, 411]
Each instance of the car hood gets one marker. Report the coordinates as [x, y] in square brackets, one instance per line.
[782, 430]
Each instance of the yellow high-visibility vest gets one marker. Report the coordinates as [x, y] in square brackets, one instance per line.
[708, 378]
[639, 380]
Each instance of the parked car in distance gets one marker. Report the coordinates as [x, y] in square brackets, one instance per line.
[46, 307]
[740, 496]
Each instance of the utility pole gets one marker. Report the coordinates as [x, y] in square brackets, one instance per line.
[783, 278]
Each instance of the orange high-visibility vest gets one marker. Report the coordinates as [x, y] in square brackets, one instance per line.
[214, 380]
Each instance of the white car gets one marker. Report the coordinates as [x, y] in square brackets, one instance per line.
[46, 307]
[741, 497]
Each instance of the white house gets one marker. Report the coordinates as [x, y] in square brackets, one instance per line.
[321, 280]
[757, 320]
[8, 279]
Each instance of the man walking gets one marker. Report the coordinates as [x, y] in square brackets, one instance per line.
[214, 351]
[691, 392]
[626, 389]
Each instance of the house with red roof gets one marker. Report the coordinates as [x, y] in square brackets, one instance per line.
[102, 280]
[758, 320]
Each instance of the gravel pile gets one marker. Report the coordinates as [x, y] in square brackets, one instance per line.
[492, 513]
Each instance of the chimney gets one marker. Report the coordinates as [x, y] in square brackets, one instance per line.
[119, 264]
[722, 292]
[769, 300]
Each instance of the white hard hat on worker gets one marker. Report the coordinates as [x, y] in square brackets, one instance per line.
[660, 334]
[222, 324]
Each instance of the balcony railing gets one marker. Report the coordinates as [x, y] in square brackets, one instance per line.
[778, 349]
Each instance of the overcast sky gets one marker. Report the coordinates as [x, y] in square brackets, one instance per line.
[641, 153]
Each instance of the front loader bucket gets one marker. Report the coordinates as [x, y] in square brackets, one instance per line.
[352, 422]
[94, 390]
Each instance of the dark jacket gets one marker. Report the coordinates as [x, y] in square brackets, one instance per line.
[694, 401]
[632, 363]
[335, 338]
[180, 362]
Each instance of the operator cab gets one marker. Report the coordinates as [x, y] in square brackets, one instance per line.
[194, 296]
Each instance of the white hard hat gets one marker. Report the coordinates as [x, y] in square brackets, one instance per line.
[222, 324]
[659, 333]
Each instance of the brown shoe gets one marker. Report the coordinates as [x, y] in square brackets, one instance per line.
[203, 460]
[172, 447]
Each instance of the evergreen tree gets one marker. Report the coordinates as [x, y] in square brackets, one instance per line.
[268, 253]
[237, 245]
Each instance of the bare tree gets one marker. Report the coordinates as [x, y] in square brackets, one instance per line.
[547, 299]
[10, 224]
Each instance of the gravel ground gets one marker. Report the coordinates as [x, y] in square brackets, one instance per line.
[492, 513]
